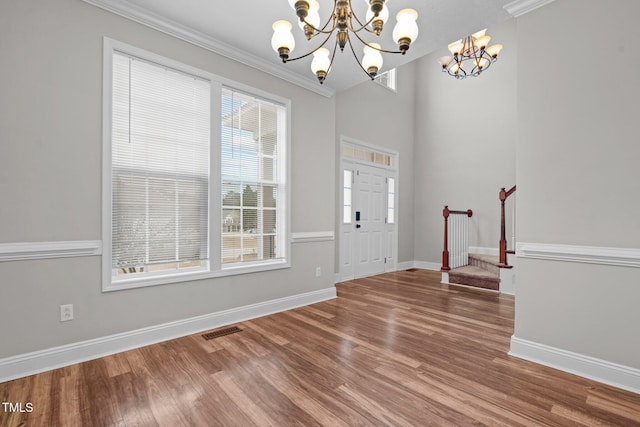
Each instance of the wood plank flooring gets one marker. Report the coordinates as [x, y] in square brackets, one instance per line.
[397, 349]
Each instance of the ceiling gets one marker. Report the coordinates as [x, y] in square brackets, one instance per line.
[242, 31]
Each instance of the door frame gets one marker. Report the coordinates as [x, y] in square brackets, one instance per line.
[347, 272]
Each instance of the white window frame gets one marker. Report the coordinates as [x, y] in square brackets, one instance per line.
[215, 267]
[391, 79]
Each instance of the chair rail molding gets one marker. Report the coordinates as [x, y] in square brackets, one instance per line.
[624, 257]
[312, 236]
[42, 250]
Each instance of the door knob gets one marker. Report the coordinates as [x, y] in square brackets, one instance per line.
[357, 225]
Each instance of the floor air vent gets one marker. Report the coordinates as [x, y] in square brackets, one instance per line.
[221, 333]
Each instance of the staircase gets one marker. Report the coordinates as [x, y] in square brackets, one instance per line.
[481, 272]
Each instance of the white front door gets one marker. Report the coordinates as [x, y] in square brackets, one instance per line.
[368, 241]
[369, 209]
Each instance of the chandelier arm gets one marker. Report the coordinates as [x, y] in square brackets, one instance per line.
[314, 50]
[473, 59]
[460, 75]
[489, 62]
[373, 47]
[324, 30]
[362, 26]
[475, 52]
[333, 55]
[357, 60]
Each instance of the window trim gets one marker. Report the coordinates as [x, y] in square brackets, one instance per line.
[215, 268]
[392, 77]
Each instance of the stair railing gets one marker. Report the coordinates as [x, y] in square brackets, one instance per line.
[503, 232]
[456, 236]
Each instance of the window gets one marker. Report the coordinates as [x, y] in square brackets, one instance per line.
[367, 155]
[391, 201]
[346, 196]
[252, 178]
[387, 79]
[175, 137]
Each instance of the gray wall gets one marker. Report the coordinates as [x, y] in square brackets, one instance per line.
[50, 179]
[376, 115]
[577, 173]
[465, 146]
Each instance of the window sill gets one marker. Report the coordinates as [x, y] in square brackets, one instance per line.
[141, 282]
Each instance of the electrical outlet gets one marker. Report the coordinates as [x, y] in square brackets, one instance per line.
[318, 272]
[66, 312]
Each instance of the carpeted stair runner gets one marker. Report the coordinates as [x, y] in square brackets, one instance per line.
[482, 272]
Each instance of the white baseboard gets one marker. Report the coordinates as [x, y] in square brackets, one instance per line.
[401, 266]
[405, 265]
[433, 266]
[57, 357]
[613, 374]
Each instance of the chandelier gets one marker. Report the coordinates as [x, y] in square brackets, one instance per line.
[471, 56]
[344, 23]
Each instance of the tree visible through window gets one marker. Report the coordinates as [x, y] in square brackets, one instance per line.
[252, 182]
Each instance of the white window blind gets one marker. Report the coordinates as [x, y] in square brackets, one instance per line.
[160, 168]
[253, 178]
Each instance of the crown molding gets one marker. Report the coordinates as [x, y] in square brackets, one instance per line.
[520, 7]
[174, 29]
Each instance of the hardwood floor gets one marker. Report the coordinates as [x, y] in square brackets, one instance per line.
[396, 349]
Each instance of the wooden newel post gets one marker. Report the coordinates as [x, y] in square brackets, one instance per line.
[503, 237]
[445, 252]
[503, 233]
